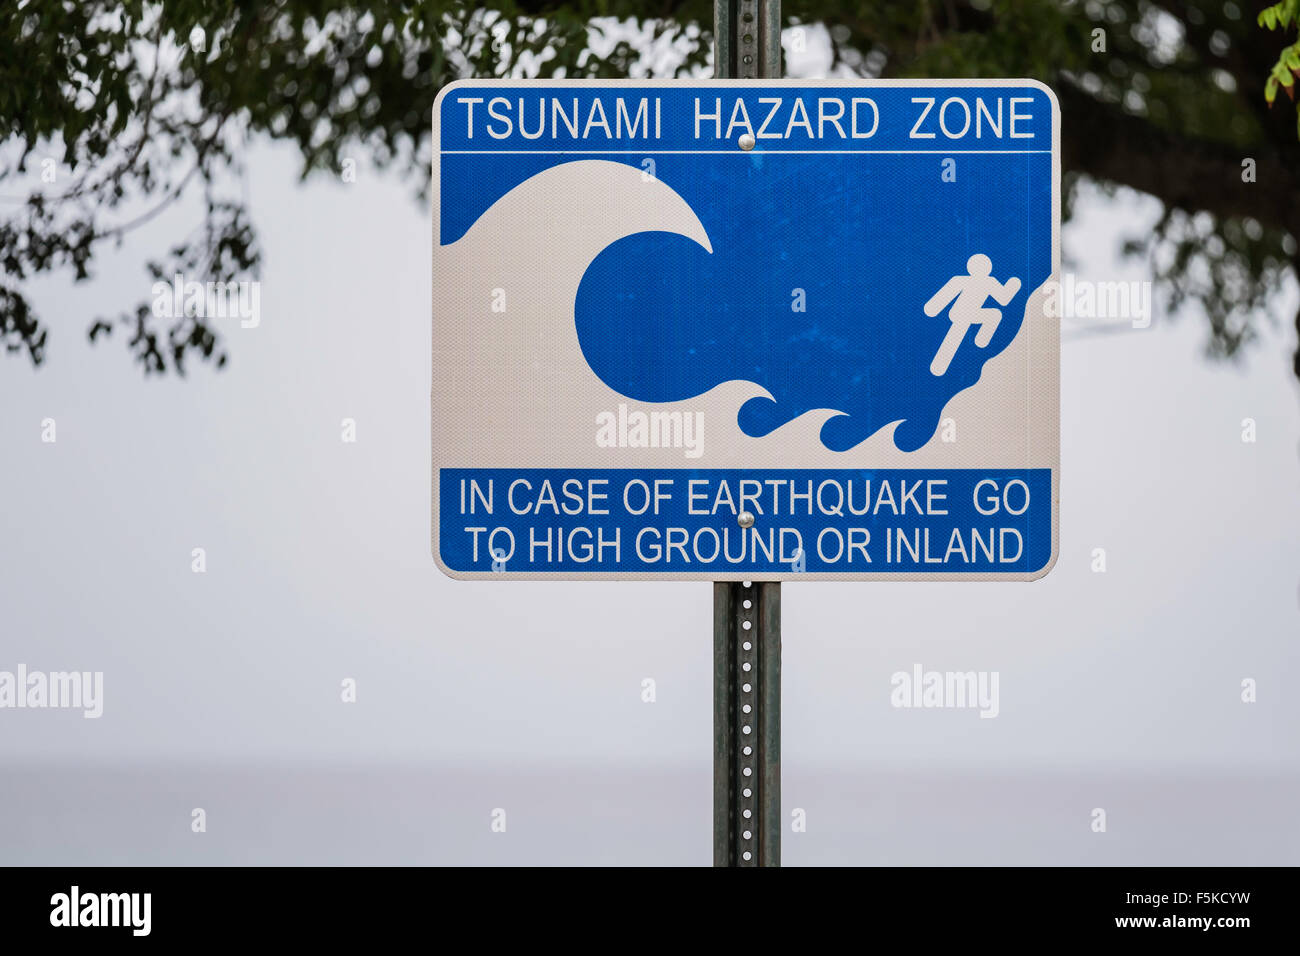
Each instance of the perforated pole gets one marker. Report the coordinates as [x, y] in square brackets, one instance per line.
[746, 724]
[747, 39]
[747, 616]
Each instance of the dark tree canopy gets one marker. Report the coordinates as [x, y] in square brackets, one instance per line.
[136, 103]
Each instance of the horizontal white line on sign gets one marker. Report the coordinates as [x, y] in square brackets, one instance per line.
[725, 152]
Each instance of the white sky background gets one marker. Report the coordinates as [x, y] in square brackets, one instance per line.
[319, 565]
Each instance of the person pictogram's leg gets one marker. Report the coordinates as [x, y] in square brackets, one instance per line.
[948, 348]
[988, 320]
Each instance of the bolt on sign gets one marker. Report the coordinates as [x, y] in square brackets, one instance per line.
[739, 330]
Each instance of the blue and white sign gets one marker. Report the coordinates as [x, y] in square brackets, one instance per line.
[738, 330]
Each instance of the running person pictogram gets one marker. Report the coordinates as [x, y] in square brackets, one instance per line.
[971, 291]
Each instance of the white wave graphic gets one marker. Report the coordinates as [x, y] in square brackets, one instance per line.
[529, 251]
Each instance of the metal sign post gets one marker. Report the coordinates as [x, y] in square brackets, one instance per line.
[747, 615]
[747, 723]
[747, 39]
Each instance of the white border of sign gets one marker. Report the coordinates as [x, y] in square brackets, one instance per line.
[720, 573]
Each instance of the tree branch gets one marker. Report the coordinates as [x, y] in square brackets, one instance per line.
[1184, 173]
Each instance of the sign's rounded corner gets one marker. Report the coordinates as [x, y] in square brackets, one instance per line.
[1051, 95]
[445, 568]
[1046, 569]
[453, 85]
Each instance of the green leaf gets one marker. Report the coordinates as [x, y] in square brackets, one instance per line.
[1270, 90]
